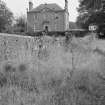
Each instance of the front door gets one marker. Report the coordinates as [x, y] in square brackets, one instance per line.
[46, 27]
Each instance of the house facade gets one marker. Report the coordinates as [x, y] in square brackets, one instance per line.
[47, 16]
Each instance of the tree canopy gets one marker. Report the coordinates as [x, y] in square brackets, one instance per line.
[90, 11]
[6, 16]
[20, 25]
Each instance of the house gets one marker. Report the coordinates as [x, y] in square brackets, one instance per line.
[50, 17]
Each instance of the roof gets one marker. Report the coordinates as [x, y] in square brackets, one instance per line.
[52, 6]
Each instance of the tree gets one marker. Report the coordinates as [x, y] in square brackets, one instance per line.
[20, 25]
[89, 5]
[90, 12]
[6, 16]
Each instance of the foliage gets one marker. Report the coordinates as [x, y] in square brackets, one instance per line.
[20, 25]
[89, 5]
[90, 12]
[6, 16]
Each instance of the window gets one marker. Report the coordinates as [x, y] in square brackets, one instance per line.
[55, 26]
[35, 17]
[44, 16]
[34, 28]
[56, 16]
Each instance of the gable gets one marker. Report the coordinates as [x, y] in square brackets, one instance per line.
[46, 9]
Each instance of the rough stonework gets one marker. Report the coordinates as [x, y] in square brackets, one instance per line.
[50, 17]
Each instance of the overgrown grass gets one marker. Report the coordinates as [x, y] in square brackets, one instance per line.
[20, 85]
[86, 87]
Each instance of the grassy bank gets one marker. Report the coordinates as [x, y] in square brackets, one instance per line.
[50, 78]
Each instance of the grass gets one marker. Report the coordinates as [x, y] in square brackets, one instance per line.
[48, 81]
[84, 88]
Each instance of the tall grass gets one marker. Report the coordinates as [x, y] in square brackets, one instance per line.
[20, 85]
[86, 87]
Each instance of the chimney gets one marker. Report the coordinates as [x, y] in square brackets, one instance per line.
[66, 5]
[30, 5]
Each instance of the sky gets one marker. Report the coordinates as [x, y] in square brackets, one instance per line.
[19, 7]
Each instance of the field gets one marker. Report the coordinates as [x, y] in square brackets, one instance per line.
[57, 73]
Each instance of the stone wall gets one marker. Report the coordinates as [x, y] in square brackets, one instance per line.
[54, 20]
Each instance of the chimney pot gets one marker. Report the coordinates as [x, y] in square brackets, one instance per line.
[30, 5]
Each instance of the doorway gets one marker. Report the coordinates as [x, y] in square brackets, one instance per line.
[46, 28]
